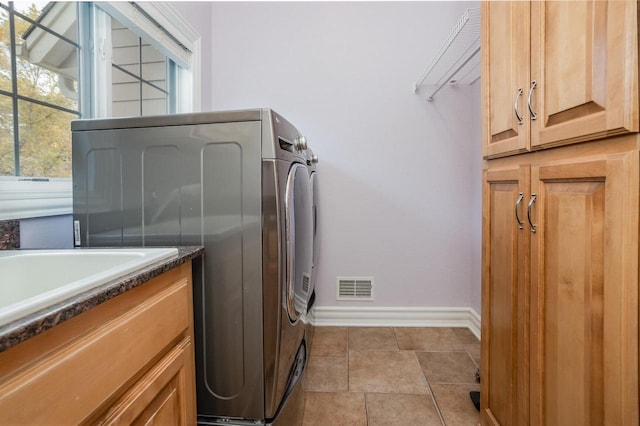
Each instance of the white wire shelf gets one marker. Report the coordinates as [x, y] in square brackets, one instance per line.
[458, 60]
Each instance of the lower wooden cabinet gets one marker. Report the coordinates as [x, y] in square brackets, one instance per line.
[127, 361]
[560, 287]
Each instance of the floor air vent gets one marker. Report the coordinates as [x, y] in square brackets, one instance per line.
[355, 288]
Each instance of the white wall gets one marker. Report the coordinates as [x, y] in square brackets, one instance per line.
[400, 177]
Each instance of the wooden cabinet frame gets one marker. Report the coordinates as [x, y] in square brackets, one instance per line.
[560, 305]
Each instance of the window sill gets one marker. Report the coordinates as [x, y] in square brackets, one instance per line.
[23, 199]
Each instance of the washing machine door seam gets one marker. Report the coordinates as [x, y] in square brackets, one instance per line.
[299, 234]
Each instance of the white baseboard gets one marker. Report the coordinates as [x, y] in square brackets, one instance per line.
[396, 317]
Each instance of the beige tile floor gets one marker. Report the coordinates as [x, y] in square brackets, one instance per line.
[391, 376]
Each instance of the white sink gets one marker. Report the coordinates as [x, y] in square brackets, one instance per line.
[31, 280]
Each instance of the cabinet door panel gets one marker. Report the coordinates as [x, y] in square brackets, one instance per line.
[505, 65]
[584, 295]
[165, 409]
[585, 65]
[573, 301]
[163, 396]
[504, 299]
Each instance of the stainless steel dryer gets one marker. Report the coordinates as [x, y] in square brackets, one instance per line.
[238, 184]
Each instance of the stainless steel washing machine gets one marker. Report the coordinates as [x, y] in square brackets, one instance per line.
[237, 183]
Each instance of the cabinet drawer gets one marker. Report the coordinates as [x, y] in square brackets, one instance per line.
[82, 375]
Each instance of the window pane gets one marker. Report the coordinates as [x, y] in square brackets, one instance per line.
[127, 58]
[32, 9]
[5, 52]
[126, 48]
[47, 66]
[125, 87]
[154, 65]
[136, 63]
[45, 141]
[6, 137]
[125, 94]
[59, 17]
[154, 101]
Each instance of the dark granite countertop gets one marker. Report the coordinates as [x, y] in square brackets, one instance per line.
[24, 328]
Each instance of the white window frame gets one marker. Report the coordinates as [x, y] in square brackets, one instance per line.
[23, 197]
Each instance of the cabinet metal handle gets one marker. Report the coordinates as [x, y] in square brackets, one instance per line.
[533, 227]
[533, 86]
[520, 224]
[515, 106]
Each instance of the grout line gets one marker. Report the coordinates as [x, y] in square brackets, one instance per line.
[347, 362]
[395, 336]
[437, 407]
[455, 383]
[424, 376]
[473, 359]
[433, 397]
[366, 408]
[304, 404]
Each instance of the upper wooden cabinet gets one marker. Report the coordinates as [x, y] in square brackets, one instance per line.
[556, 73]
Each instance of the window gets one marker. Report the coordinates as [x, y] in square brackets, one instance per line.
[139, 62]
[140, 75]
[38, 88]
